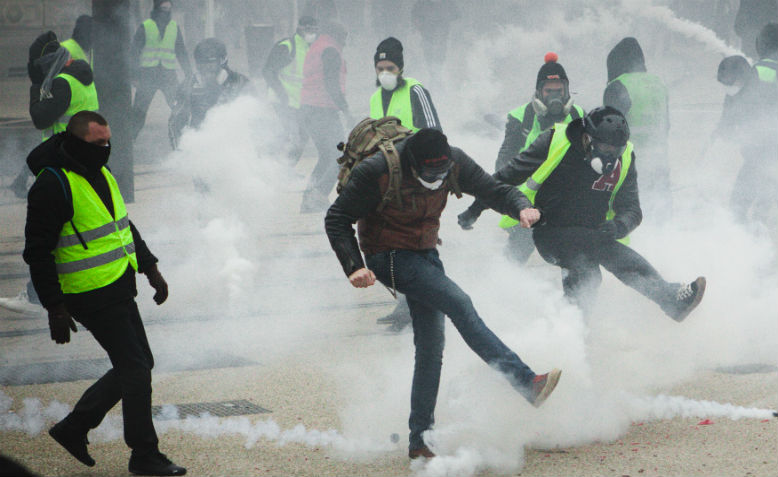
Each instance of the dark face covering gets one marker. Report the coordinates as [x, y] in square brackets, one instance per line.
[162, 17]
[90, 157]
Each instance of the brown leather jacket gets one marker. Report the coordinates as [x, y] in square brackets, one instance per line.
[415, 225]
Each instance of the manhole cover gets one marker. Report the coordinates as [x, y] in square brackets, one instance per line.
[748, 369]
[240, 407]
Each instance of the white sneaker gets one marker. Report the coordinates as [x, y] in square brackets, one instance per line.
[20, 304]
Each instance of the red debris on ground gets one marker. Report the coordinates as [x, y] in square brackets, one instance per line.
[706, 422]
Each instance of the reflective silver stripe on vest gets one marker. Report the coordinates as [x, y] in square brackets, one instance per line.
[89, 235]
[96, 261]
[532, 185]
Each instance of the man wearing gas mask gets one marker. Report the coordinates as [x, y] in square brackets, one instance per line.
[406, 99]
[582, 177]
[399, 243]
[550, 104]
[83, 253]
[215, 83]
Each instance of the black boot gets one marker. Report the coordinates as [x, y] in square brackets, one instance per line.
[155, 463]
[73, 441]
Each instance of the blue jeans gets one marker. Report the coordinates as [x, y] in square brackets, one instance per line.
[431, 294]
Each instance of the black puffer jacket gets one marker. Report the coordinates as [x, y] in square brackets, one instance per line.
[45, 112]
[48, 210]
[362, 195]
[574, 195]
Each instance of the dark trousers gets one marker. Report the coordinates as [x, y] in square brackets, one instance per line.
[296, 134]
[431, 294]
[119, 330]
[324, 127]
[754, 191]
[520, 245]
[580, 251]
[149, 81]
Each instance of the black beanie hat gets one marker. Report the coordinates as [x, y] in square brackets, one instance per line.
[430, 150]
[551, 70]
[157, 3]
[390, 49]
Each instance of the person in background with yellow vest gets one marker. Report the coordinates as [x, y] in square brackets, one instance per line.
[748, 119]
[80, 43]
[60, 87]
[582, 177]
[283, 73]
[406, 99]
[83, 253]
[322, 97]
[767, 49]
[156, 48]
[550, 104]
[642, 98]
[397, 95]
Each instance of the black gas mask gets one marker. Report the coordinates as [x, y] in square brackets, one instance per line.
[603, 157]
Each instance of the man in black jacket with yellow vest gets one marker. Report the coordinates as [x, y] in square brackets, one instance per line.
[582, 177]
[83, 253]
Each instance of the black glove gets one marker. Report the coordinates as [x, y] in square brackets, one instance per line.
[609, 229]
[467, 218]
[60, 323]
[158, 283]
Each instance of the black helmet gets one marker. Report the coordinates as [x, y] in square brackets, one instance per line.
[211, 50]
[733, 69]
[607, 124]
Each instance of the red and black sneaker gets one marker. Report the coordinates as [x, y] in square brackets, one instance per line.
[543, 385]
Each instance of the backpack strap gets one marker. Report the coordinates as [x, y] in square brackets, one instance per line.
[528, 121]
[574, 113]
[392, 193]
[453, 181]
[64, 183]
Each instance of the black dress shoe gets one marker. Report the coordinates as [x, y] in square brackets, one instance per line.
[73, 441]
[155, 463]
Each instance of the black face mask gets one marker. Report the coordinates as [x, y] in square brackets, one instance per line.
[92, 156]
[161, 16]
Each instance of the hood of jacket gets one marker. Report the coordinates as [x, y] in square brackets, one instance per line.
[625, 57]
[47, 154]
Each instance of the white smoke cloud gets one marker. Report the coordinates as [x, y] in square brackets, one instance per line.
[242, 257]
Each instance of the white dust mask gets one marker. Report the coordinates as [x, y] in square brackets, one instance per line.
[388, 80]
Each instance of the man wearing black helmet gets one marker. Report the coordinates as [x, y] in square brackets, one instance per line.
[216, 83]
[582, 177]
[399, 242]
